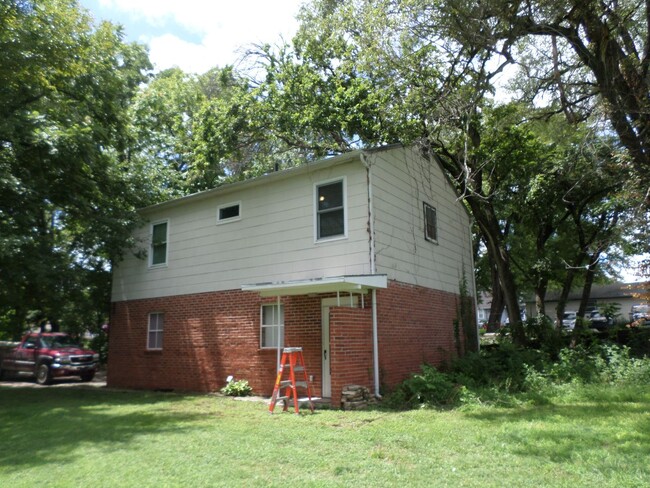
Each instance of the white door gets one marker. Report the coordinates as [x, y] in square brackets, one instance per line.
[326, 303]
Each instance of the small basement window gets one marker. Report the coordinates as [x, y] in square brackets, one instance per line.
[430, 223]
[228, 213]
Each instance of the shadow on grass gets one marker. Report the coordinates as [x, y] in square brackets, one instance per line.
[41, 426]
[582, 430]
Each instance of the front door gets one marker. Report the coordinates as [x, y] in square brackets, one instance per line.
[326, 303]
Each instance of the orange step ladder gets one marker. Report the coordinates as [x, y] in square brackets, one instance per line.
[291, 357]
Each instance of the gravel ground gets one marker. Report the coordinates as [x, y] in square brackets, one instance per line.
[71, 382]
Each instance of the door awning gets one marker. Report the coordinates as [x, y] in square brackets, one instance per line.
[340, 284]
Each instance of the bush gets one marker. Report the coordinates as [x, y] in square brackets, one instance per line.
[503, 366]
[237, 388]
[507, 375]
[429, 388]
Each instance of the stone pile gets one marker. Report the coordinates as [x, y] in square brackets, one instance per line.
[356, 397]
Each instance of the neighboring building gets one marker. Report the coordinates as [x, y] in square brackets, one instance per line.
[483, 310]
[358, 259]
[621, 294]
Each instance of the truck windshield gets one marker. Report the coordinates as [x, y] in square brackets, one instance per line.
[58, 341]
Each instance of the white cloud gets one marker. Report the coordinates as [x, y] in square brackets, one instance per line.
[224, 28]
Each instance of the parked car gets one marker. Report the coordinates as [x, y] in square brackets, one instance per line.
[640, 312]
[598, 321]
[569, 320]
[47, 356]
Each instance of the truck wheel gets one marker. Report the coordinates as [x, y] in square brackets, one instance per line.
[43, 374]
[87, 376]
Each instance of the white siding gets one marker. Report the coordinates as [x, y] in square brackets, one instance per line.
[402, 181]
[273, 240]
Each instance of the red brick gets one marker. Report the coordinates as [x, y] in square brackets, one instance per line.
[210, 336]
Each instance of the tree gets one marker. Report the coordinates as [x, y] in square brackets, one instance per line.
[427, 91]
[67, 188]
[585, 57]
[426, 70]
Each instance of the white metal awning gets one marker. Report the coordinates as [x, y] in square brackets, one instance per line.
[335, 284]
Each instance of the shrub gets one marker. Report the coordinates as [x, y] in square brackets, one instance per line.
[428, 388]
[507, 375]
[503, 366]
[237, 388]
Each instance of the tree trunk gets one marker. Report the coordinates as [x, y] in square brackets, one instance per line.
[566, 289]
[540, 297]
[497, 305]
[491, 232]
[586, 289]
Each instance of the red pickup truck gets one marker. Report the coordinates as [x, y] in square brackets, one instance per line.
[47, 356]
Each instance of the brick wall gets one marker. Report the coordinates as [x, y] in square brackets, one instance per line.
[207, 337]
[210, 336]
[351, 349]
[415, 326]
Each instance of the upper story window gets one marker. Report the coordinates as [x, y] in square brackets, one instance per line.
[158, 254]
[228, 213]
[430, 223]
[330, 210]
[155, 330]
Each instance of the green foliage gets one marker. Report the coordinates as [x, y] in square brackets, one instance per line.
[509, 375]
[99, 344]
[237, 388]
[503, 366]
[430, 387]
[67, 189]
[542, 334]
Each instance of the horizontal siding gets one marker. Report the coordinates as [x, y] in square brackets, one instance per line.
[273, 240]
[402, 181]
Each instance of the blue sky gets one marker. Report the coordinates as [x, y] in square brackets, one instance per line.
[197, 35]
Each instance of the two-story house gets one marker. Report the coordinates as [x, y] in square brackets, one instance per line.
[358, 259]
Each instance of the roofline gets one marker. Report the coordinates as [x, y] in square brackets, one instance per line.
[269, 177]
[259, 180]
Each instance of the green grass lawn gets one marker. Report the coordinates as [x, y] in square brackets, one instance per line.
[101, 438]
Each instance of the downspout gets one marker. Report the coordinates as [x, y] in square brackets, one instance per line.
[277, 322]
[375, 343]
[373, 270]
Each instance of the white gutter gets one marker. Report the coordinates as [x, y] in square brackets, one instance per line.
[373, 270]
[375, 343]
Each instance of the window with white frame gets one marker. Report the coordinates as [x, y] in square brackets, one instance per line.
[272, 333]
[228, 213]
[155, 330]
[158, 254]
[430, 223]
[330, 210]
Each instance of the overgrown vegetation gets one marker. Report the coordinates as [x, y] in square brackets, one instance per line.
[508, 374]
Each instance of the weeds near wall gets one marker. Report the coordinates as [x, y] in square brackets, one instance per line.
[465, 328]
[508, 375]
